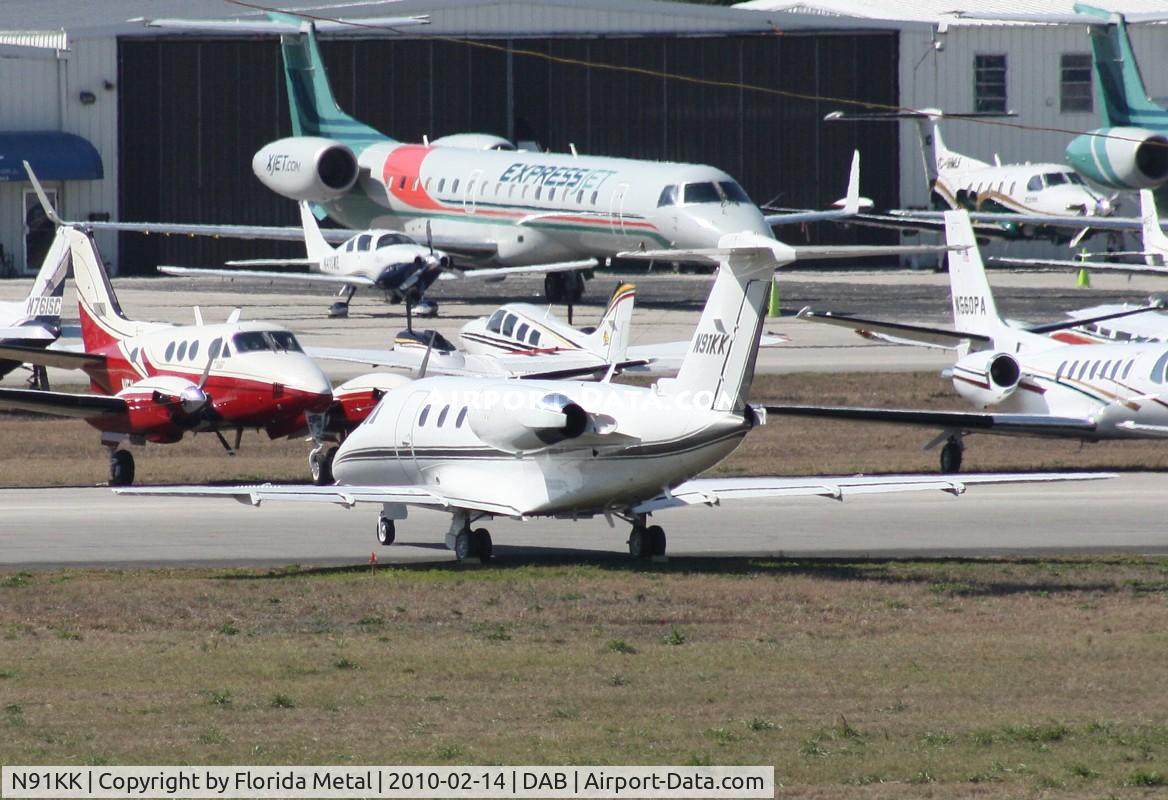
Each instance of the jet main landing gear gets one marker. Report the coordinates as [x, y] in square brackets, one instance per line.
[320, 465]
[646, 541]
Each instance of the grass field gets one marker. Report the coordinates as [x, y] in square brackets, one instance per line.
[873, 679]
[56, 452]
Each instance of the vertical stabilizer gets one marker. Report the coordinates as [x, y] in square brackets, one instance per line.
[43, 302]
[310, 97]
[610, 340]
[1117, 75]
[315, 246]
[719, 366]
[974, 310]
[102, 321]
[933, 150]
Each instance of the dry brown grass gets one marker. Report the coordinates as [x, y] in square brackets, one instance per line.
[872, 679]
[49, 452]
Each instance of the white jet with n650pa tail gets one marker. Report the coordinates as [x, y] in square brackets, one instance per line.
[482, 447]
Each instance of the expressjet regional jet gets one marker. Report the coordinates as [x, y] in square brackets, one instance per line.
[482, 447]
[1035, 385]
[480, 198]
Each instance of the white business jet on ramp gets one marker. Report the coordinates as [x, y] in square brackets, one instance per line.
[482, 447]
[1034, 384]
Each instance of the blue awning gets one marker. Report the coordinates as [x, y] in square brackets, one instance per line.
[54, 156]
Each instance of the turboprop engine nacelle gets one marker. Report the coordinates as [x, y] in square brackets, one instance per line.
[535, 423]
[986, 378]
[306, 168]
[163, 406]
[1120, 158]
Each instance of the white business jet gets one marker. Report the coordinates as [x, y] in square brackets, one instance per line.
[35, 321]
[1035, 385]
[481, 447]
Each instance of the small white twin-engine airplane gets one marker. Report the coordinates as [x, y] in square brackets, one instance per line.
[35, 321]
[376, 259]
[157, 382]
[483, 447]
[1042, 200]
[1034, 384]
[517, 341]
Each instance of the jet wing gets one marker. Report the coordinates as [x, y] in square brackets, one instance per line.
[667, 356]
[1055, 263]
[712, 491]
[900, 333]
[846, 207]
[715, 255]
[61, 359]
[347, 496]
[306, 277]
[541, 366]
[60, 404]
[1015, 424]
[274, 232]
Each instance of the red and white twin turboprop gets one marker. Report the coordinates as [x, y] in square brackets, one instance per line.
[156, 382]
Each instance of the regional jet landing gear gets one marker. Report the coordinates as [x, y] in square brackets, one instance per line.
[646, 541]
[320, 465]
[951, 454]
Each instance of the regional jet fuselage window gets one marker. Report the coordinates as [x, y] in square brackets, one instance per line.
[668, 197]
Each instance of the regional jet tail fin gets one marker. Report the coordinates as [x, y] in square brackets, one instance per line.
[974, 309]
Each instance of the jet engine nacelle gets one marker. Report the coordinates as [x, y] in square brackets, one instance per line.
[1121, 158]
[539, 421]
[473, 141]
[164, 405]
[986, 378]
[306, 168]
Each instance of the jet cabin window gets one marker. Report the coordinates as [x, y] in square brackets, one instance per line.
[169, 351]
[533, 338]
[668, 197]
[1055, 178]
[509, 324]
[1157, 369]
[461, 418]
[521, 334]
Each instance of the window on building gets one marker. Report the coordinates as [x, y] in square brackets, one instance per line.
[1075, 83]
[989, 82]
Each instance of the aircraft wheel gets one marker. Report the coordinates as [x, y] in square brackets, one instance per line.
[553, 287]
[338, 310]
[656, 536]
[463, 546]
[121, 468]
[386, 531]
[951, 456]
[481, 543]
[320, 464]
[573, 287]
[639, 542]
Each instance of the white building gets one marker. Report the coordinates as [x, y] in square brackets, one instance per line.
[1043, 71]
